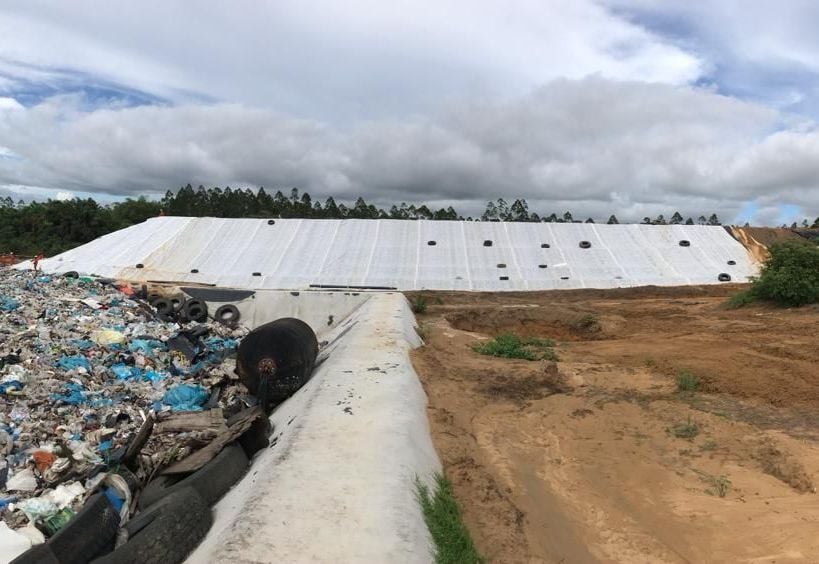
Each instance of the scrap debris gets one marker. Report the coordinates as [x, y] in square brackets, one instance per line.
[94, 385]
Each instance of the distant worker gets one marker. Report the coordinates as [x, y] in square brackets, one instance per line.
[161, 212]
[36, 260]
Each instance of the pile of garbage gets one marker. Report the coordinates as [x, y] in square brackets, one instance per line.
[92, 388]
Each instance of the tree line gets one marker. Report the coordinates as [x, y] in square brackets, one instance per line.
[53, 226]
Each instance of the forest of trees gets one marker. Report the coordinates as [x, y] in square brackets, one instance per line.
[55, 226]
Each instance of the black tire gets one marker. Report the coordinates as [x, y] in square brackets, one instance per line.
[257, 437]
[724, 277]
[585, 245]
[685, 243]
[90, 533]
[158, 488]
[290, 344]
[71, 274]
[227, 314]
[166, 533]
[38, 554]
[212, 481]
[164, 309]
[195, 310]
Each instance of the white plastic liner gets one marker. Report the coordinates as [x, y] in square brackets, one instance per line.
[409, 255]
[339, 484]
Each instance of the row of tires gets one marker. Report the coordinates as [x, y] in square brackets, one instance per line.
[178, 308]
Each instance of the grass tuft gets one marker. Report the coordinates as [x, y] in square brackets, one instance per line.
[686, 381]
[508, 345]
[453, 545]
[741, 299]
[687, 430]
[419, 304]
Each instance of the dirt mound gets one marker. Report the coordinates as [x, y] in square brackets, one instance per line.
[564, 323]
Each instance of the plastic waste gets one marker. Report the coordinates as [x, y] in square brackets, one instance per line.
[10, 386]
[37, 508]
[32, 533]
[125, 372]
[22, 481]
[72, 362]
[82, 365]
[8, 304]
[58, 520]
[64, 494]
[185, 397]
[106, 337]
[12, 543]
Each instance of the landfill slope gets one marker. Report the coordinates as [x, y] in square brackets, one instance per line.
[337, 483]
[297, 254]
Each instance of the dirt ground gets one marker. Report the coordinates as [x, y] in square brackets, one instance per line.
[598, 457]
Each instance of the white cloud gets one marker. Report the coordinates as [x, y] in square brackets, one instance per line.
[593, 146]
[64, 196]
[336, 60]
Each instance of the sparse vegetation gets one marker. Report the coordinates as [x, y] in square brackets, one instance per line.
[588, 322]
[687, 381]
[453, 545]
[508, 345]
[419, 304]
[721, 485]
[651, 363]
[789, 277]
[687, 430]
[423, 331]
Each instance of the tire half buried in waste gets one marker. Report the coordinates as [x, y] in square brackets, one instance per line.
[288, 346]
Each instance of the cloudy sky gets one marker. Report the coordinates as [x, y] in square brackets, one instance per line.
[636, 107]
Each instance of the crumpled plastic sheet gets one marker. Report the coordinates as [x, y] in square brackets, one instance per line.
[82, 364]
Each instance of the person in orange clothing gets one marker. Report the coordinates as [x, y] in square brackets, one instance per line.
[36, 260]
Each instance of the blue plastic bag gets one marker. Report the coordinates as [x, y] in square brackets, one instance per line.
[145, 346]
[71, 362]
[8, 304]
[82, 344]
[10, 385]
[74, 394]
[185, 398]
[125, 372]
[152, 376]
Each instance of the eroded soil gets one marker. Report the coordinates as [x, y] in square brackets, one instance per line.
[598, 458]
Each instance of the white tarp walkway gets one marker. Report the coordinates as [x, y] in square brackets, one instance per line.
[338, 485]
[409, 255]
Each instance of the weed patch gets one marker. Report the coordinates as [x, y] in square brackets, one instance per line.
[508, 345]
[687, 430]
[453, 545]
[588, 322]
[687, 381]
[419, 304]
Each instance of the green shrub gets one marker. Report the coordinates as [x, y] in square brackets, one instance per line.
[508, 345]
[789, 277]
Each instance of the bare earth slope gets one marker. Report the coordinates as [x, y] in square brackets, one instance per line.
[581, 461]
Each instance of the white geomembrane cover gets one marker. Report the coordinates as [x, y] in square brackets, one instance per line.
[300, 253]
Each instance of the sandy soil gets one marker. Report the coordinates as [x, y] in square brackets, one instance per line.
[578, 461]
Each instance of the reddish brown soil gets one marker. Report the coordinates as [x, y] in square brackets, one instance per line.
[578, 461]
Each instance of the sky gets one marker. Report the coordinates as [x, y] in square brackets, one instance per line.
[632, 107]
